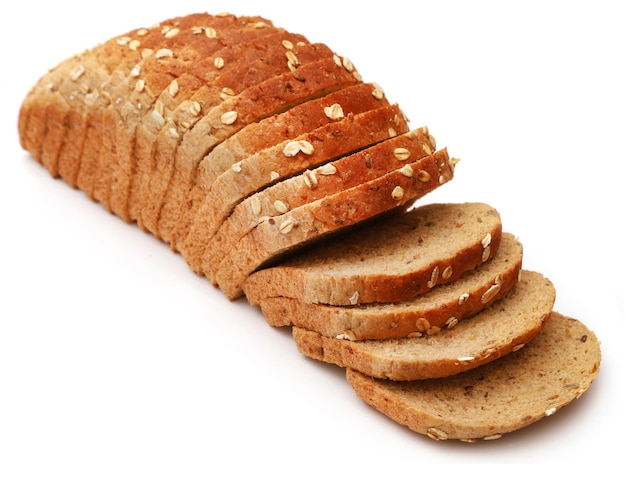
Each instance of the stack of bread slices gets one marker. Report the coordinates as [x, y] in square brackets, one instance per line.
[280, 175]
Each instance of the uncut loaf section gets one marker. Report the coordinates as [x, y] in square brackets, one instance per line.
[277, 173]
[181, 125]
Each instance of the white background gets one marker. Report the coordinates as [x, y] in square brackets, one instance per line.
[116, 360]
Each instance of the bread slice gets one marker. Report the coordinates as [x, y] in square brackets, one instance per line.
[272, 239]
[429, 245]
[440, 309]
[550, 372]
[284, 160]
[492, 333]
[345, 172]
[230, 66]
[253, 104]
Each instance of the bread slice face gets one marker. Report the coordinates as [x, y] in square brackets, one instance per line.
[440, 309]
[302, 226]
[551, 371]
[398, 258]
[494, 332]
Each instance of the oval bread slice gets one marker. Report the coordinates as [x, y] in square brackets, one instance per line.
[502, 328]
[441, 308]
[387, 261]
[557, 367]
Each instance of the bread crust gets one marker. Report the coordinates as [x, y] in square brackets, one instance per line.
[255, 173]
[331, 214]
[342, 173]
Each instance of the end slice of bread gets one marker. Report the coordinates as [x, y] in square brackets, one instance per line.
[556, 368]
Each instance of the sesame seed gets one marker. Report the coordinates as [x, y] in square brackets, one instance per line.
[255, 205]
[280, 206]
[401, 154]
[164, 53]
[407, 171]
[172, 33]
[173, 88]
[490, 293]
[486, 253]
[194, 108]
[397, 193]
[310, 179]
[334, 112]
[422, 324]
[229, 117]
[434, 277]
[436, 434]
[327, 169]
[77, 72]
[378, 92]
[286, 226]
[486, 240]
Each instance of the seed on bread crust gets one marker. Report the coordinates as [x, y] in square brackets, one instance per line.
[218, 62]
[407, 171]
[397, 193]
[423, 176]
[280, 206]
[378, 92]
[401, 154]
[294, 147]
[164, 53]
[229, 117]
[310, 179]
[436, 434]
[286, 226]
[354, 298]
[327, 169]
[334, 112]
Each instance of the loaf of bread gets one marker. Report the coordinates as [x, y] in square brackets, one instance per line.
[279, 175]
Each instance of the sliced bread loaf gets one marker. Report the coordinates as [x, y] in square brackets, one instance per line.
[218, 70]
[304, 225]
[284, 160]
[345, 172]
[270, 97]
[503, 327]
[396, 259]
[554, 369]
[440, 309]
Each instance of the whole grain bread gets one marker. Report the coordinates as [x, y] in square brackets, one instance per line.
[345, 172]
[429, 245]
[307, 224]
[284, 160]
[231, 66]
[439, 309]
[503, 327]
[554, 369]
[253, 104]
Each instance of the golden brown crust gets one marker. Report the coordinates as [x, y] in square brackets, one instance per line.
[268, 98]
[331, 214]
